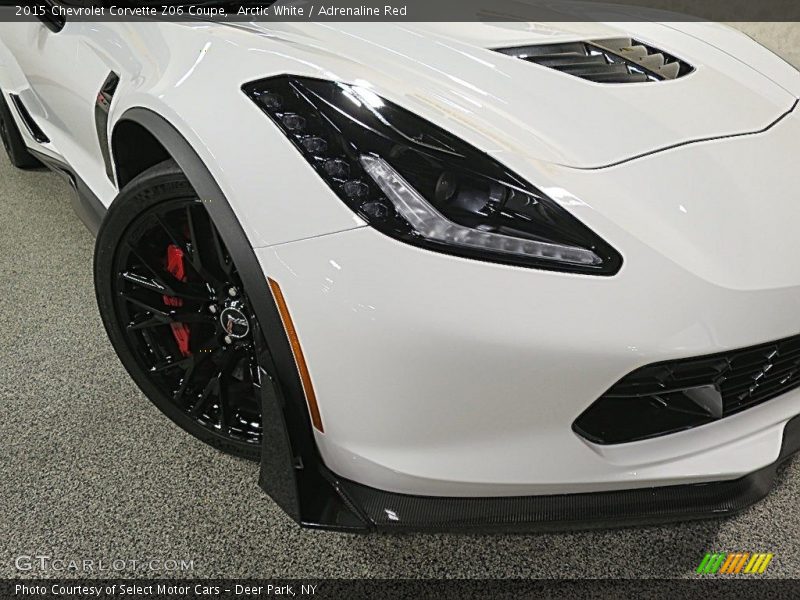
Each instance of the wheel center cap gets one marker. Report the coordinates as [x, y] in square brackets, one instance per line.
[234, 322]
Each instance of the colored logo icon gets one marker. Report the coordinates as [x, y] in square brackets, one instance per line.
[732, 563]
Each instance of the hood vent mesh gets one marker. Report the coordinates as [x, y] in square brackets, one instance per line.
[618, 60]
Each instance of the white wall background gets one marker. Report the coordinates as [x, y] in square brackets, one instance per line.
[781, 38]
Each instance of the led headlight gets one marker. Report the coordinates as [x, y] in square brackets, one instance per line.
[420, 184]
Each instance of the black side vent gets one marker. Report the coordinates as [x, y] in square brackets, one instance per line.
[102, 105]
[36, 133]
[618, 60]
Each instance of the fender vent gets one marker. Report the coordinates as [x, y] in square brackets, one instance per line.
[102, 106]
[618, 60]
[35, 131]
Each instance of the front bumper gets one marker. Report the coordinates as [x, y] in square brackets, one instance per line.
[388, 512]
[440, 376]
[448, 382]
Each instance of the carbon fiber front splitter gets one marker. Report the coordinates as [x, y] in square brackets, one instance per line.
[377, 510]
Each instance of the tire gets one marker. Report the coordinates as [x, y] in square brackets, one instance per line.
[177, 313]
[12, 139]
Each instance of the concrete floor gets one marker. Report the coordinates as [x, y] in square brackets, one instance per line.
[90, 469]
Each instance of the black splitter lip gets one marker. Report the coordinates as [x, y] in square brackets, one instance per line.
[389, 512]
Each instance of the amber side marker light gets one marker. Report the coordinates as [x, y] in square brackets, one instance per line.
[297, 352]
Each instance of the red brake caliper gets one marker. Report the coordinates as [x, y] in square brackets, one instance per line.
[175, 268]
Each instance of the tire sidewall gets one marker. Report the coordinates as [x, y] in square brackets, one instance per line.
[15, 146]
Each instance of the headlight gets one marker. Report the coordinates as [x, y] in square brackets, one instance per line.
[421, 185]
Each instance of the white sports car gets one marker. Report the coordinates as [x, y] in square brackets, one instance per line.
[441, 276]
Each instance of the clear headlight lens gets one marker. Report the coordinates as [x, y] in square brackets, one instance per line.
[421, 185]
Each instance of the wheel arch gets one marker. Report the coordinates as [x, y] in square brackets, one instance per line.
[134, 149]
[292, 472]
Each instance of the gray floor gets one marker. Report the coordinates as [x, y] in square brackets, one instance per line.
[91, 470]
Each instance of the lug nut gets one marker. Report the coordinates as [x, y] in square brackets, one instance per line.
[232, 291]
[212, 309]
[228, 339]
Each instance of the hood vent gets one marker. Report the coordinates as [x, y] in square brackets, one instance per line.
[618, 60]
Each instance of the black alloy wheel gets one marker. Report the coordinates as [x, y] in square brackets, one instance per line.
[177, 312]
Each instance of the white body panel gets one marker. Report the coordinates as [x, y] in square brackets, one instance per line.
[448, 376]
[466, 377]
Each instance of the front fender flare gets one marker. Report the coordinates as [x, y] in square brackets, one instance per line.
[292, 471]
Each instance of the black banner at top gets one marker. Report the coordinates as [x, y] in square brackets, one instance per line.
[405, 10]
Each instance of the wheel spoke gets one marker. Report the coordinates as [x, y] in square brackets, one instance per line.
[222, 390]
[171, 234]
[178, 241]
[158, 313]
[187, 378]
[183, 316]
[204, 258]
[187, 252]
[149, 283]
[167, 316]
[209, 388]
[165, 282]
[145, 323]
[194, 240]
[171, 364]
[222, 416]
[222, 259]
[197, 361]
[166, 312]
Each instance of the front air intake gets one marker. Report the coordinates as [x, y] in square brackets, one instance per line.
[618, 60]
[675, 395]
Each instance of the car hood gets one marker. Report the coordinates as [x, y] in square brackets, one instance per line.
[451, 74]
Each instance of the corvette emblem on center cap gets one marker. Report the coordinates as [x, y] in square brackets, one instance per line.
[234, 323]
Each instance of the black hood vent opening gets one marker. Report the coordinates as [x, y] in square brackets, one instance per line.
[618, 60]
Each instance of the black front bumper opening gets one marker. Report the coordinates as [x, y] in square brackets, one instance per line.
[676, 395]
[346, 505]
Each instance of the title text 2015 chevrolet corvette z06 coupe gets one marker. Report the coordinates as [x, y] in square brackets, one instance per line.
[441, 276]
